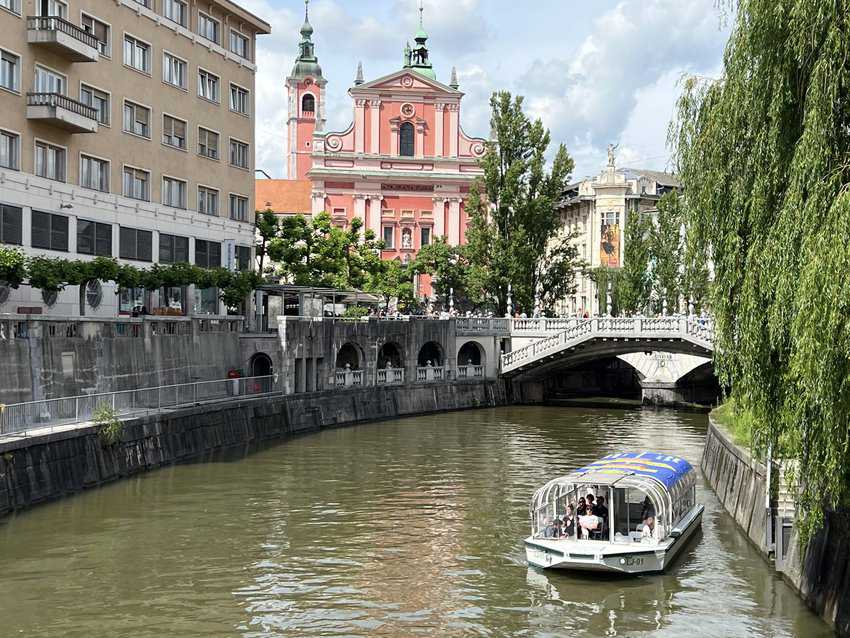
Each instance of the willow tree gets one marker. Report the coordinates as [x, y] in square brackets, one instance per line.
[764, 154]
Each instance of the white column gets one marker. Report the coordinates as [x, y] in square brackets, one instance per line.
[318, 202]
[454, 222]
[375, 133]
[420, 138]
[439, 217]
[359, 126]
[360, 207]
[26, 227]
[375, 206]
[394, 138]
[453, 129]
[116, 240]
[155, 247]
[439, 111]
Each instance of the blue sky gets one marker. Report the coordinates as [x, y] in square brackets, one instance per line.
[595, 71]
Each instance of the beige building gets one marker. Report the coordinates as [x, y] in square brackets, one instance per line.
[597, 210]
[127, 130]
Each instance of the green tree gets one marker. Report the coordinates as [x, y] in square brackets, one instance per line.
[666, 252]
[447, 266]
[13, 270]
[764, 154]
[393, 281]
[514, 234]
[602, 276]
[268, 229]
[634, 282]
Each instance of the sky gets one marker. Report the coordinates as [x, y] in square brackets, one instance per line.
[595, 71]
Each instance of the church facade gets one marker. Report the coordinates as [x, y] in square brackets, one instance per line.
[403, 166]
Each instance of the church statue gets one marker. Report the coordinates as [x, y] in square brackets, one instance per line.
[611, 158]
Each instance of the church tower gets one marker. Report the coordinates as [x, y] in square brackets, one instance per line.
[305, 89]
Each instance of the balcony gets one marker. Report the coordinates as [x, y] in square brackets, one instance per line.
[63, 38]
[62, 112]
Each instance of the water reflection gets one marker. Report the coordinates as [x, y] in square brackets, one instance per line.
[403, 528]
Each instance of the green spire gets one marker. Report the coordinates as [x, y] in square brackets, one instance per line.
[307, 64]
[417, 58]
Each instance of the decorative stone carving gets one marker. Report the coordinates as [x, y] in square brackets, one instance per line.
[408, 110]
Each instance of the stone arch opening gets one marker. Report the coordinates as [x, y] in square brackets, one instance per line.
[349, 357]
[433, 352]
[308, 104]
[471, 354]
[390, 356]
[261, 365]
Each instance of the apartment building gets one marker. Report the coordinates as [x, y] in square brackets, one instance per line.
[127, 130]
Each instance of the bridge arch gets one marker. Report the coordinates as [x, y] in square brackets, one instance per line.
[350, 355]
[391, 353]
[433, 352]
[260, 365]
[471, 353]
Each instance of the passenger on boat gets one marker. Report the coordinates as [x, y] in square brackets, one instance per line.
[582, 507]
[588, 523]
[600, 509]
[646, 534]
[647, 510]
[557, 532]
[569, 527]
[548, 529]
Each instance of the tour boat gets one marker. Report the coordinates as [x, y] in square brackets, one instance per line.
[652, 513]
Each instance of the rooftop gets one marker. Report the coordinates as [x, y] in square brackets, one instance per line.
[284, 196]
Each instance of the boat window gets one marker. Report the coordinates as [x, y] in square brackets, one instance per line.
[630, 505]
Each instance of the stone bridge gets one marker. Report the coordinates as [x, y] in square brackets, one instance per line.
[586, 339]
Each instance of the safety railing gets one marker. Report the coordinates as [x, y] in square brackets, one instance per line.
[55, 23]
[21, 418]
[57, 100]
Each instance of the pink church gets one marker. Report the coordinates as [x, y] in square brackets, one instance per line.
[404, 166]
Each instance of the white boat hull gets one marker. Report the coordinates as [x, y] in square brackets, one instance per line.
[619, 558]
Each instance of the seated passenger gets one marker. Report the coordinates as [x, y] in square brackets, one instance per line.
[548, 529]
[582, 507]
[646, 533]
[589, 523]
[556, 532]
[600, 509]
[647, 510]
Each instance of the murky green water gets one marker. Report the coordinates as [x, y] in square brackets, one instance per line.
[405, 528]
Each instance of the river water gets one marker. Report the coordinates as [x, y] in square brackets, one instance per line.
[405, 528]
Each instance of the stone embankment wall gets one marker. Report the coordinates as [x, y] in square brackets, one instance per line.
[39, 469]
[820, 573]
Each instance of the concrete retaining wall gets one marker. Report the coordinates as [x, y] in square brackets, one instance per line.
[40, 469]
[820, 572]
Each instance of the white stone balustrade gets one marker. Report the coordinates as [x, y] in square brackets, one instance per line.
[348, 378]
[391, 376]
[470, 372]
[429, 374]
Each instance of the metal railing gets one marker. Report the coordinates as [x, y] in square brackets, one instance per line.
[20, 418]
[55, 23]
[57, 100]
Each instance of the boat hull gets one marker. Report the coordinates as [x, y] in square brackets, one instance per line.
[616, 558]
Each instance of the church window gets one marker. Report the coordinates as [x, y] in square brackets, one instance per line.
[406, 140]
[308, 103]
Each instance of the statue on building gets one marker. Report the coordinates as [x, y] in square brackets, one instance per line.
[611, 157]
[406, 238]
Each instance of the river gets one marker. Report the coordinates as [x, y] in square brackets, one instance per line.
[405, 528]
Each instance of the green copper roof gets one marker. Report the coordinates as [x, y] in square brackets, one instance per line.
[418, 59]
[306, 64]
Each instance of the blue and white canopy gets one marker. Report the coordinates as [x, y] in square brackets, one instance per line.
[664, 468]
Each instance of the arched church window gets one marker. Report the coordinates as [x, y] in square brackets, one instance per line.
[308, 104]
[406, 140]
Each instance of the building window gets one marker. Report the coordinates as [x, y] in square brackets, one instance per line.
[207, 254]
[137, 54]
[11, 225]
[94, 173]
[173, 192]
[238, 154]
[10, 71]
[425, 236]
[99, 30]
[10, 147]
[238, 99]
[308, 104]
[208, 86]
[98, 100]
[135, 244]
[207, 27]
[137, 119]
[50, 161]
[52, 8]
[133, 301]
[389, 237]
[207, 200]
[49, 231]
[173, 132]
[238, 44]
[208, 143]
[175, 10]
[173, 249]
[10, 5]
[144, 3]
[94, 238]
[137, 183]
[406, 141]
[238, 208]
[243, 258]
[173, 71]
[47, 81]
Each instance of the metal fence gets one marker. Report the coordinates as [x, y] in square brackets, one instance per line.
[21, 418]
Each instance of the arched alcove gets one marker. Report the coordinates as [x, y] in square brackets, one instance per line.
[433, 352]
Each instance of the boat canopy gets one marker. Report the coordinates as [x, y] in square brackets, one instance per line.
[664, 468]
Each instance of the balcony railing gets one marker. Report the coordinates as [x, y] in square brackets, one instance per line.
[430, 373]
[57, 100]
[390, 376]
[64, 37]
[348, 378]
[470, 372]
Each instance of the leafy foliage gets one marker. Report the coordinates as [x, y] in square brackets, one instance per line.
[110, 427]
[514, 234]
[764, 154]
[634, 282]
[12, 266]
[448, 268]
[666, 252]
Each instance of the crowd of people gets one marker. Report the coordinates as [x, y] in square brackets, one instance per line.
[588, 520]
